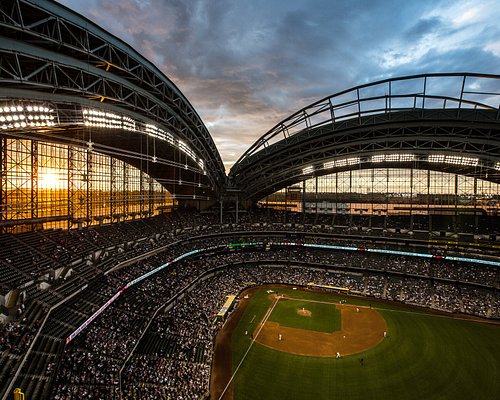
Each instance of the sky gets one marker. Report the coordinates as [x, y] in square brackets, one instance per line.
[247, 64]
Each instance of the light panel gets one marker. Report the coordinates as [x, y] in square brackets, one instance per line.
[19, 116]
[22, 115]
[154, 131]
[186, 149]
[342, 163]
[455, 160]
[393, 158]
[104, 119]
[308, 170]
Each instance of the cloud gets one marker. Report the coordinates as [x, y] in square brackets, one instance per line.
[424, 27]
[246, 65]
[493, 47]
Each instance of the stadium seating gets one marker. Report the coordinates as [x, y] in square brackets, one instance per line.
[103, 259]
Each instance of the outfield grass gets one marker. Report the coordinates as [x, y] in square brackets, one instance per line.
[425, 357]
[324, 317]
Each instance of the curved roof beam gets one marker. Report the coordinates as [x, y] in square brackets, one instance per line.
[97, 65]
[447, 114]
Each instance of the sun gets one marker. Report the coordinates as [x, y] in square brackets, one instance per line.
[50, 180]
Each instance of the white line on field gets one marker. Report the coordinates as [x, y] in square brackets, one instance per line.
[268, 313]
[316, 301]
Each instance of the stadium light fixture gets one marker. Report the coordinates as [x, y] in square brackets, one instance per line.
[23, 115]
[455, 160]
[308, 170]
[392, 158]
[15, 116]
[101, 119]
[342, 163]
[154, 131]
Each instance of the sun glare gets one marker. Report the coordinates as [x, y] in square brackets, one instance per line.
[50, 180]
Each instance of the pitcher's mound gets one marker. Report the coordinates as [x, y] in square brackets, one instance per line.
[304, 312]
[360, 331]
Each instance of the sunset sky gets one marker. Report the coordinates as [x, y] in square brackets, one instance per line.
[245, 65]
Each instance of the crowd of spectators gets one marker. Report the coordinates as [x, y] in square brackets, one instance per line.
[35, 254]
[15, 337]
[172, 360]
[89, 367]
[94, 359]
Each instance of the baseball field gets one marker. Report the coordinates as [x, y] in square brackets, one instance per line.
[283, 343]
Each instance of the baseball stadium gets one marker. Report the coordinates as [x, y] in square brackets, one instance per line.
[352, 252]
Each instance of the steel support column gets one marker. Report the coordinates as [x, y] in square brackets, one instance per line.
[125, 190]
[77, 185]
[3, 180]
[70, 185]
[455, 214]
[151, 196]
[113, 190]
[286, 205]
[89, 193]
[411, 199]
[476, 217]
[34, 179]
[316, 197]
[303, 199]
[237, 205]
[429, 216]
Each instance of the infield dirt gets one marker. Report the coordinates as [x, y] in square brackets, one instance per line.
[360, 331]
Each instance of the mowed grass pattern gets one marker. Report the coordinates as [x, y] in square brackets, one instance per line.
[424, 357]
[324, 317]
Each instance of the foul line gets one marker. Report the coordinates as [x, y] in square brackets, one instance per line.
[268, 314]
[422, 312]
[318, 301]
